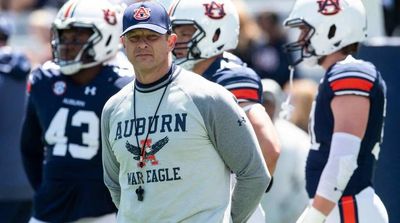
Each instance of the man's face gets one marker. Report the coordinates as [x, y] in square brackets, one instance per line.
[185, 34]
[304, 35]
[146, 49]
[71, 42]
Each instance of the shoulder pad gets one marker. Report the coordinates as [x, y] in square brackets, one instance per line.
[48, 70]
[349, 66]
[352, 76]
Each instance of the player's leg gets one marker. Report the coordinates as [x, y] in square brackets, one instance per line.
[371, 208]
[365, 207]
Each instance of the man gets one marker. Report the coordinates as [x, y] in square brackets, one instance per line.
[206, 30]
[61, 133]
[167, 154]
[15, 191]
[347, 116]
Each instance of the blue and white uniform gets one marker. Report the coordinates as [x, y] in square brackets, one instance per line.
[61, 143]
[15, 191]
[347, 77]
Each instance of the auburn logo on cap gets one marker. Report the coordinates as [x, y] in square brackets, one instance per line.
[142, 13]
[328, 7]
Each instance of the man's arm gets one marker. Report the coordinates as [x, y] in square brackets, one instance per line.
[234, 139]
[32, 146]
[265, 131]
[351, 116]
[110, 163]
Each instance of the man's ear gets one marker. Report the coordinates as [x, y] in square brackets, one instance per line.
[172, 40]
[122, 40]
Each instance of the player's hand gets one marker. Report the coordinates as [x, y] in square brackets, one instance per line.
[311, 215]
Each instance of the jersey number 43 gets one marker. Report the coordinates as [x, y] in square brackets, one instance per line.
[55, 134]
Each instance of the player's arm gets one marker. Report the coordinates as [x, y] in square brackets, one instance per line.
[14, 64]
[32, 146]
[110, 163]
[265, 131]
[351, 116]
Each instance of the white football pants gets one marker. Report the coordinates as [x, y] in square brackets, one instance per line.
[364, 207]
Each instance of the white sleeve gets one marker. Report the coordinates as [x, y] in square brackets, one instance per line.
[342, 163]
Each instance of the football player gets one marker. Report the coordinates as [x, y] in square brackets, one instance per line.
[15, 191]
[347, 117]
[61, 133]
[206, 30]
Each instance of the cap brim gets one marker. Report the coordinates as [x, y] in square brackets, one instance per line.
[151, 27]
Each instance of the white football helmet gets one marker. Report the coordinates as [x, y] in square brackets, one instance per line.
[332, 24]
[217, 24]
[100, 16]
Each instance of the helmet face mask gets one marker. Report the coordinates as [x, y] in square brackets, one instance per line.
[333, 24]
[187, 52]
[102, 20]
[302, 48]
[70, 53]
[217, 28]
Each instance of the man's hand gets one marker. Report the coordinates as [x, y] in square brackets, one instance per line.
[311, 215]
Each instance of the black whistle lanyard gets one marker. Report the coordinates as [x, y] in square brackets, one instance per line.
[142, 161]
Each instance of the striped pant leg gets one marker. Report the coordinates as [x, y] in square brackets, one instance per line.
[365, 207]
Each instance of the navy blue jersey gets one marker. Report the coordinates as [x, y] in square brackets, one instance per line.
[61, 143]
[14, 70]
[354, 77]
[230, 72]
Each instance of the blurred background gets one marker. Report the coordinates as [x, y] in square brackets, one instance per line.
[261, 29]
[261, 38]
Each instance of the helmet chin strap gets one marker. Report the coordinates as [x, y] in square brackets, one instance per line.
[71, 69]
[74, 68]
[311, 61]
[186, 63]
[287, 107]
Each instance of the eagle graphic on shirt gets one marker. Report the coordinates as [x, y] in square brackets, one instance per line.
[150, 151]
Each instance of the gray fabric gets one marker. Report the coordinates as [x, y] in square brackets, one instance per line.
[223, 126]
[237, 145]
[110, 163]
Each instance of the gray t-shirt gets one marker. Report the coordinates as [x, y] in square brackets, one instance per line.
[198, 137]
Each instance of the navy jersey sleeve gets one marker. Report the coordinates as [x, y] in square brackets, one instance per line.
[244, 86]
[32, 146]
[230, 72]
[355, 78]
